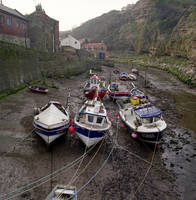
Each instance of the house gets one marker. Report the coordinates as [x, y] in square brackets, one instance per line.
[43, 31]
[70, 41]
[128, 7]
[13, 26]
[99, 50]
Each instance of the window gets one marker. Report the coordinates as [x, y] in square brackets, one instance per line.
[157, 118]
[2, 19]
[17, 24]
[90, 118]
[9, 21]
[99, 120]
[24, 26]
[147, 120]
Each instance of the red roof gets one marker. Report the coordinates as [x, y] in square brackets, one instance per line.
[94, 77]
[94, 45]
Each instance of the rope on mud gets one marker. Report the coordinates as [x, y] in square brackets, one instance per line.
[75, 174]
[3, 196]
[148, 170]
[84, 168]
[97, 172]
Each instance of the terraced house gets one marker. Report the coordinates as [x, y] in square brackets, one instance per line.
[13, 26]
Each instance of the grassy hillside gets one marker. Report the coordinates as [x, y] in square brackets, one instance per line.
[159, 27]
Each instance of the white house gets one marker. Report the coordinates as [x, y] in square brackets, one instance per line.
[70, 41]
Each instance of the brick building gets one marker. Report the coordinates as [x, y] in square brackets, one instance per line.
[13, 26]
[43, 31]
[99, 50]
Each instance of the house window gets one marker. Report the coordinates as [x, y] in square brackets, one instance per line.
[24, 26]
[9, 21]
[2, 19]
[17, 24]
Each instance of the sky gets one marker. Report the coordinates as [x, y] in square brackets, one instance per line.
[69, 13]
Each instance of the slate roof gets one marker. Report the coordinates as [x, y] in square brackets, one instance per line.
[11, 11]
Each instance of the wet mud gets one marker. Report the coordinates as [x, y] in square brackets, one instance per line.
[127, 173]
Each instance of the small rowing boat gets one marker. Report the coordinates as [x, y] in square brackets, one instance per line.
[38, 89]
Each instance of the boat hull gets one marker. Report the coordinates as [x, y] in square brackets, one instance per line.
[90, 137]
[90, 94]
[148, 137]
[49, 135]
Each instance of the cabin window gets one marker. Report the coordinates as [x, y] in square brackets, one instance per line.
[157, 118]
[9, 21]
[2, 19]
[99, 120]
[147, 120]
[90, 118]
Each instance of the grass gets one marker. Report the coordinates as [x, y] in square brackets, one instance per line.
[167, 63]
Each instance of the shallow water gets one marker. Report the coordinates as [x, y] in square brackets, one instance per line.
[180, 148]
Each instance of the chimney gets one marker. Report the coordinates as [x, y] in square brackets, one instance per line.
[1, 2]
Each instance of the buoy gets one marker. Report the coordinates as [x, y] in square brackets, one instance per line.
[117, 115]
[71, 130]
[123, 126]
[134, 135]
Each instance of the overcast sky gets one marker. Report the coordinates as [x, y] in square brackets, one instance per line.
[70, 13]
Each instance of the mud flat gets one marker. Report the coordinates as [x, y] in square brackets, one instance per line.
[24, 157]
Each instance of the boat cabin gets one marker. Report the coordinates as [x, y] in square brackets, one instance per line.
[93, 114]
[94, 81]
[148, 115]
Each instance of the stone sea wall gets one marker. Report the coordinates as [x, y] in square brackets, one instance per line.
[19, 66]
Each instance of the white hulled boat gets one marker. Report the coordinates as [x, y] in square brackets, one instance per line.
[52, 121]
[91, 122]
[144, 121]
[63, 192]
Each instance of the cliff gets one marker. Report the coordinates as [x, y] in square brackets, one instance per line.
[158, 27]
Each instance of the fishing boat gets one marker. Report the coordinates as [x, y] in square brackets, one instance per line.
[123, 90]
[145, 121]
[123, 76]
[91, 122]
[63, 192]
[132, 77]
[51, 121]
[38, 89]
[93, 85]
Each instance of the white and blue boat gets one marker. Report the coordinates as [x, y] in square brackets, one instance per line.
[91, 122]
[145, 122]
[52, 121]
[63, 192]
